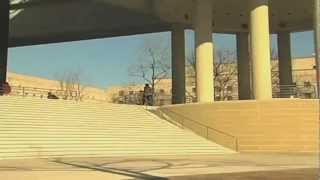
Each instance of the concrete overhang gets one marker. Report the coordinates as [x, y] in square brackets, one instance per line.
[48, 21]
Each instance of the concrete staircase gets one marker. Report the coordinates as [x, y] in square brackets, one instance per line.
[40, 128]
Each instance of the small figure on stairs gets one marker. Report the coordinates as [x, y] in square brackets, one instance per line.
[147, 95]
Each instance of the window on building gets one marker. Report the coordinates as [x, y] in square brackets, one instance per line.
[307, 84]
[121, 93]
[229, 88]
[217, 89]
[162, 91]
[307, 95]
[194, 90]
[162, 102]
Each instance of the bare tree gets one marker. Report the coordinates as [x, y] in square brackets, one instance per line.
[191, 75]
[71, 84]
[275, 68]
[274, 54]
[153, 65]
[225, 71]
[191, 62]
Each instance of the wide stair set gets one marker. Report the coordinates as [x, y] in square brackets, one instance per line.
[41, 128]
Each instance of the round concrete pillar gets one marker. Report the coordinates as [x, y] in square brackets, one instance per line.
[317, 41]
[178, 65]
[204, 50]
[285, 64]
[4, 34]
[260, 49]
[244, 87]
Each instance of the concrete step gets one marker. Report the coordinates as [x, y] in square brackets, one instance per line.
[32, 128]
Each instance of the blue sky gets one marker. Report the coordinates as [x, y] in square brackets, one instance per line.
[105, 62]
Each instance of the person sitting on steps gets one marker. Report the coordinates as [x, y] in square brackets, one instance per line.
[52, 96]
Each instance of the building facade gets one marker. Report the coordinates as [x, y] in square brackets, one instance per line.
[226, 84]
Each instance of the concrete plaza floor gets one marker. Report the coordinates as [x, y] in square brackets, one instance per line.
[221, 167]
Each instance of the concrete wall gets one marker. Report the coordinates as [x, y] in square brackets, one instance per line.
[279, 125]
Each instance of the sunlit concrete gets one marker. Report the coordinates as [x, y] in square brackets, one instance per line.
[231, 167]
[114, 131]
[260, 49]
[204, 50]
[269, 126]
[178, 65]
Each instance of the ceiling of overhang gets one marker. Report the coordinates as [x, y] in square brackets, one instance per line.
[45, 21]
[229, 15]
[64, 20]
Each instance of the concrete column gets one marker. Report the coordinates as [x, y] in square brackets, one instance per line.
[178, 65]
[4, 33]
[244, 88]
[317, 41]
[285, 64]
[260, 49]
[204, 50]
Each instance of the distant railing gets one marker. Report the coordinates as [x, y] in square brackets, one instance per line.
[158, 99]
[307, 91]
[283, 91]
[182, 122]
[41, 92]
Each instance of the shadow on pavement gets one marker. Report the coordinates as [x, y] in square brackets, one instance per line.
[298, 174]
[123, 172]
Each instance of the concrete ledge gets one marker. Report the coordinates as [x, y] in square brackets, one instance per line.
[277, 125]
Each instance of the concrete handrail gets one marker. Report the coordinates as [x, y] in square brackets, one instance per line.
[182, 123]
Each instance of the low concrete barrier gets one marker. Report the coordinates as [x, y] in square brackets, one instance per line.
[278, 125]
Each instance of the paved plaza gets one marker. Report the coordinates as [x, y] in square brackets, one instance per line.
[224, 167]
